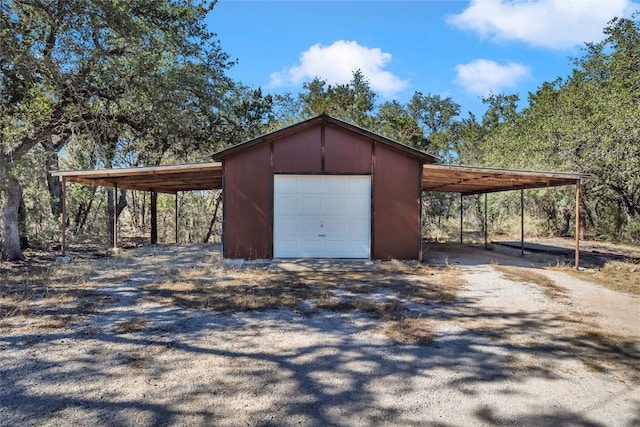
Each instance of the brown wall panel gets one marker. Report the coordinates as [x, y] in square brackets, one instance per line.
[247, 204]
[300, 152]
[346, 153]
[396, 196]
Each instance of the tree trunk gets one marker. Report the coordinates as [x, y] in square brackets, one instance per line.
[12, 194]
[22, 223]
[213, 220]
[582, 216]
[54, 185]
[85, 215]
[122, 203]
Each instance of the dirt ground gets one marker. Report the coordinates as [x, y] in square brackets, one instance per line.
[172, 335]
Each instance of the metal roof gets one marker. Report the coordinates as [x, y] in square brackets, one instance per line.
[208, 176]
[476, 180]
[161, 179]
[331, 121]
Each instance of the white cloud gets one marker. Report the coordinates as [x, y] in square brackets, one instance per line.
[337, 62]
[482, 76]
[557, 24]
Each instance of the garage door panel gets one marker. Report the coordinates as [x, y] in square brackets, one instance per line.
[357, 226]
[334, 205]
[335, 225]
[356, 203]
[288, 186]
[322, 216]
[287, 226]
[286, 204]
[309, 225]
[356, 247]
[309, 205]
[333, 246]
[308, 186]
[287, 247]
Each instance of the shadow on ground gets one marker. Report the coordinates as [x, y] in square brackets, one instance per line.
[146, 352]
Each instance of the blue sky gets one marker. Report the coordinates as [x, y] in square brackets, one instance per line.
[459, 49]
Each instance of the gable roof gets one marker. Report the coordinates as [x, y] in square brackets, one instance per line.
[331, 121]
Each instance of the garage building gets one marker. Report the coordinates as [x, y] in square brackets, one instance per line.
[322, 189]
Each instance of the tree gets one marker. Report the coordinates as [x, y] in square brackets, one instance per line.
[436, 116]
[69, 67]
[396, 122]
[353, 102]
[586, 122]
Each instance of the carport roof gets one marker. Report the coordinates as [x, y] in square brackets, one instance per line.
[161, 179]
[476, 180]
[208, 176]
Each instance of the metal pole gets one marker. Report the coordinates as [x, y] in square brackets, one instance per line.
[176, 211]
[522, 222]
[154, 218]
[461, 213]
[485, 221]
[115, 217]
[64, 216]
[577, 261]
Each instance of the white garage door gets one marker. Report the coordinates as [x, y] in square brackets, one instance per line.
[320, 216]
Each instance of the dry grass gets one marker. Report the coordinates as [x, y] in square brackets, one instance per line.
[571, 336]
[132, 325]
[45, 292]
[56, 296]
[598, 350]
[410, 331]
[615, 275]
[527, 275]
[379, 294]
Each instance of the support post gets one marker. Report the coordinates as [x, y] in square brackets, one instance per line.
[176, 213]
[485, 222]
[115, 217]
[154, 218]
[461, 213]
[577, 254]
[64, 216]
[522, 222]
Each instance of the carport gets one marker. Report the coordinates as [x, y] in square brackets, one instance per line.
[170, 179]
[208, 176]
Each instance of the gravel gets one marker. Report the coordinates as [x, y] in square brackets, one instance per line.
[504, 354]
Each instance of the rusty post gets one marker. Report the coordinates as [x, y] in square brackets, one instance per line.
[485, 222]
[461, 213]
[176, 214]
[115, 216]
[521, 221]
[154, 218]
[577, 260]
[64, 216]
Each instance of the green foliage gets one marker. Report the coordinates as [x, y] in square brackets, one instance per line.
[143, 82]
[436, 117]
[588, 123]
[353, 102]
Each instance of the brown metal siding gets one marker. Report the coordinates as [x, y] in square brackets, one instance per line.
[396, 205]
[247, 204]
[300, 152]
[346, 153]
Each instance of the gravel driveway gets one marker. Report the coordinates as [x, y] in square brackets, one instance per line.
[128, 352]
